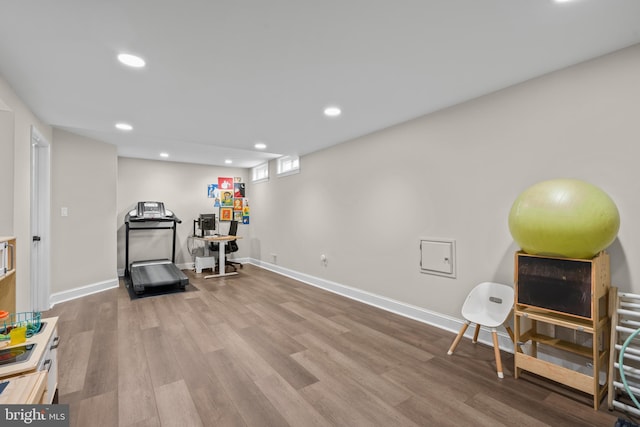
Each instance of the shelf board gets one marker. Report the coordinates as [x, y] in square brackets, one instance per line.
[556, 319]
[562, 345]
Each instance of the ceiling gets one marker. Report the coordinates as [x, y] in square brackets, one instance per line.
[222, 75]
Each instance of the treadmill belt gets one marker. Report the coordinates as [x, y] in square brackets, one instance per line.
[157, 273]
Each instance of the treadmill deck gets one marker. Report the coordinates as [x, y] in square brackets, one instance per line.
[145, 274]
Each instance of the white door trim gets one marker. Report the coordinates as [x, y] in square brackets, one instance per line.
[40, 221]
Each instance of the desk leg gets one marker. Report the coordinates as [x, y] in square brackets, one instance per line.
[222, 267]
[221, 263]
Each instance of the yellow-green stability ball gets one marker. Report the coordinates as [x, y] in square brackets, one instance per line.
[565, 218]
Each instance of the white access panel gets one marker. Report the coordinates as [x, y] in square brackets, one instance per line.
[437, 256]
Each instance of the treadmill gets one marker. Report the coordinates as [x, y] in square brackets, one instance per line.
[158, 272]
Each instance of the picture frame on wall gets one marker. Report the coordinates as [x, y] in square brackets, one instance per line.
[226, 214]
[226, 198]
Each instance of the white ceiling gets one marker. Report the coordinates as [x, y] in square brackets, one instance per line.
[224, 74]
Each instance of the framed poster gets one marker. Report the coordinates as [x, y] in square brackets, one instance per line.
[238, 190]
[225, 184]
[226, 214]
[226, 198]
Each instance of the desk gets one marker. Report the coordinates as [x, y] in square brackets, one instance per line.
[221, 257]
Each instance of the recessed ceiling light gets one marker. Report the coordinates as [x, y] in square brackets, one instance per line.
[228, 161]
[165, 155]
[131, 60]
[124, 126]
[332, 111]
[260, 145]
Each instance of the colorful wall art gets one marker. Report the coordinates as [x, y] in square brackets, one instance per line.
[228, 195]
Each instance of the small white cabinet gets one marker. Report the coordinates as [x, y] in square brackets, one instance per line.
[49, 363]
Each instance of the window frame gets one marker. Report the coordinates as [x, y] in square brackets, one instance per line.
[293, 168]
[264, 168]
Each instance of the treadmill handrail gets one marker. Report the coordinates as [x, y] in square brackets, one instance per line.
[157, 227]
[129, 218]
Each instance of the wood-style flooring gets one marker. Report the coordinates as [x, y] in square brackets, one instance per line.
[260, 349]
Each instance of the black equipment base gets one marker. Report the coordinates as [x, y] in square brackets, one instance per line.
[162, 272]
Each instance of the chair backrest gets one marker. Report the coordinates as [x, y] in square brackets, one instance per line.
[233, 228]
[489, 304]
[232, 246]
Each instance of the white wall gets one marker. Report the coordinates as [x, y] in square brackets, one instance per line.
[455, 174]
[84, 180]
[183, 189]
[24, 119]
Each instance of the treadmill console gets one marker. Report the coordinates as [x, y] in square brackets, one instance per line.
[151, 211]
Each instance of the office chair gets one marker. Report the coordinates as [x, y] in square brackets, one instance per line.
[230, 247]
[487, 304]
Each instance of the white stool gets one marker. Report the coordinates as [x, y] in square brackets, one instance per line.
[203, 262]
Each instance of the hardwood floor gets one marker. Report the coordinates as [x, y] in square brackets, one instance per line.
[260, 349]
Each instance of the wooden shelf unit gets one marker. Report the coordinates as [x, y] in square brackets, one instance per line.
[576, 301]
[8, 279]
[34, 380]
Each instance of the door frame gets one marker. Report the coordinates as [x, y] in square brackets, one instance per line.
[40, 221]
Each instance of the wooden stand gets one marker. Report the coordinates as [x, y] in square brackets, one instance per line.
[34, 380]
[8, 279]
[576, 300]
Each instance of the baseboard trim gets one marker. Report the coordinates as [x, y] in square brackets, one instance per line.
[82, 291]
[419, 314]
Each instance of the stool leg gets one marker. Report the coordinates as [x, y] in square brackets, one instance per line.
[458, 338]
[475, 333]
[496, 349]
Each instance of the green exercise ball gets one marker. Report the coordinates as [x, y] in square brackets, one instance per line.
[565, 218]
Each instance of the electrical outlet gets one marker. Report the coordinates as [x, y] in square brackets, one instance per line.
[274, 258]
[324, 260]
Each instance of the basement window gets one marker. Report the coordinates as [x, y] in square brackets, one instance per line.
[260, 173]
[288, 165]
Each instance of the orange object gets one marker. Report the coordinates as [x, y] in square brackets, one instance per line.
[3, 314]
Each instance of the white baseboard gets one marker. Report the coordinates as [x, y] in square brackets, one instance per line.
[403, 309]
[82, 291]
